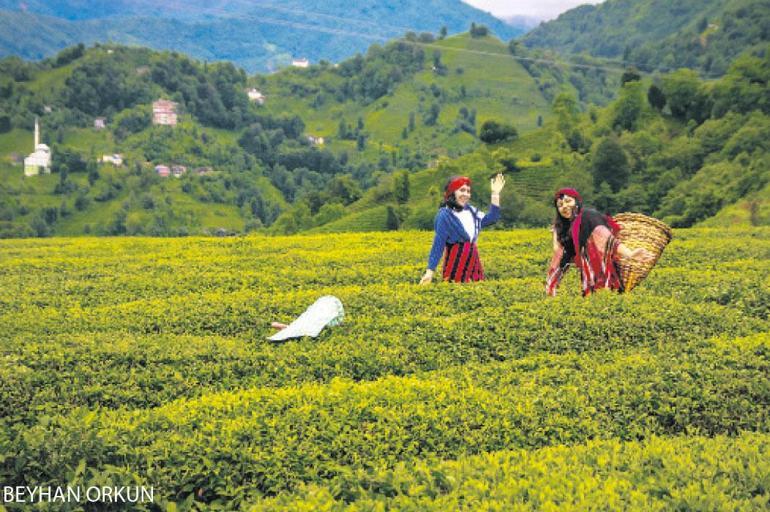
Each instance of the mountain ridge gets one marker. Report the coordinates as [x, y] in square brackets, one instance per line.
[657, 34]
[257, 37]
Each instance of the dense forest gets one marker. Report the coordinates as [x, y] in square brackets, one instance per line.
[705, 35]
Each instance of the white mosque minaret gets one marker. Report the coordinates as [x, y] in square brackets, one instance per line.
[39, 161]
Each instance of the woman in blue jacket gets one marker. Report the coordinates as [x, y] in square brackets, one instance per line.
[457, 227]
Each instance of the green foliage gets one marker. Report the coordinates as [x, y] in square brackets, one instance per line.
[745, 86]
[631, 74]
[610, 164]
[400, 184]
[714, 186]
[102, 87]
[659, 35]
[430, 118]
[132, 121]
[68, 55]
[213, 93]
[478, 30]
[656, 98]
[686, 96]
[654, 474]
[493, 132]
[392, 221]
[383, 68]
[118, 354]
[629, 107]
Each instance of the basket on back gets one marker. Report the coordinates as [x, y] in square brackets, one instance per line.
[640, 231]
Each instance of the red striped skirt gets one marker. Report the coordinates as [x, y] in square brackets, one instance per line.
[462, 263]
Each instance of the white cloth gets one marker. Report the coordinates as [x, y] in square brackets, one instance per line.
[325, 311]
[466, 219]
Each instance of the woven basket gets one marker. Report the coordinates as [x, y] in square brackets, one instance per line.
[640, 231]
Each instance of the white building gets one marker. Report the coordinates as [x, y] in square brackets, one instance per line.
[316, 141]
[116, 159]
[39, 161]
[300, 63]
[256, 96]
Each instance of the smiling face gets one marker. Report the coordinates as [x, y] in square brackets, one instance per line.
[566, 206]
[463, 195]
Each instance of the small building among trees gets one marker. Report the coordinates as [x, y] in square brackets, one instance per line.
[115, 159]
[39, 161]
[256, 96]
[164, 112]
[178, 170]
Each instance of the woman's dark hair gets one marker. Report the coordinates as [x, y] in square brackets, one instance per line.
[561, 227]
[450, 201]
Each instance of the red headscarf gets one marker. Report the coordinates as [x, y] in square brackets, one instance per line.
[567, 192]
[456, 184]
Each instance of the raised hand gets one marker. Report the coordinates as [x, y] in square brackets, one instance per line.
[497, 183]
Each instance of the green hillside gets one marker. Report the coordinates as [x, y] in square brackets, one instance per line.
[479, 75]
[417, 110]
[658, 34]
[703, 149]
[259, 156]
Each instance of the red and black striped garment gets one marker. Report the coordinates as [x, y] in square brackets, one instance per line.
[593, 249]
[462, 263]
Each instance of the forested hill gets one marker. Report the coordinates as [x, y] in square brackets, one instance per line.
[396, 122]
[254, 36]
[399, 106]
[679, 148]
[660, 34]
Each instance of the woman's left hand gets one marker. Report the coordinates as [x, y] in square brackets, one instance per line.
[642, 255]
[497, 183]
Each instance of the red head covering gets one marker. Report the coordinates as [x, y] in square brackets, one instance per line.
[456, 184]
[567, 192]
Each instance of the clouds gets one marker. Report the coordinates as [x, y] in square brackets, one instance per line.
[541, 9]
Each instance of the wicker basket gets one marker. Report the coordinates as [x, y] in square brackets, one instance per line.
[640, 231]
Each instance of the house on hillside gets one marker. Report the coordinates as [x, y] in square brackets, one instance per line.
[256, 96]
[300, 63]
[203, 171]
[316, 141]
[164, 113]
[163, 171]
[39, 161]
[178, 170]
[115, 159]
[100, 123]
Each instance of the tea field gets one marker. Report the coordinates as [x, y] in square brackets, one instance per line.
[144, 361]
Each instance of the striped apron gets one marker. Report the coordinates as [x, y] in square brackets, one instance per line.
[461, 260]
[462, 263]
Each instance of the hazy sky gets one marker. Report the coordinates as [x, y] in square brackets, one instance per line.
[541, 9]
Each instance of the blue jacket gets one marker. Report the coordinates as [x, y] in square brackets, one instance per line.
[449, 230]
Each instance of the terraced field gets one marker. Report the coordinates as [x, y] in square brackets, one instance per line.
[141, 361]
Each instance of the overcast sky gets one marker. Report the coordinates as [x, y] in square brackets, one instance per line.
[541, 9]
